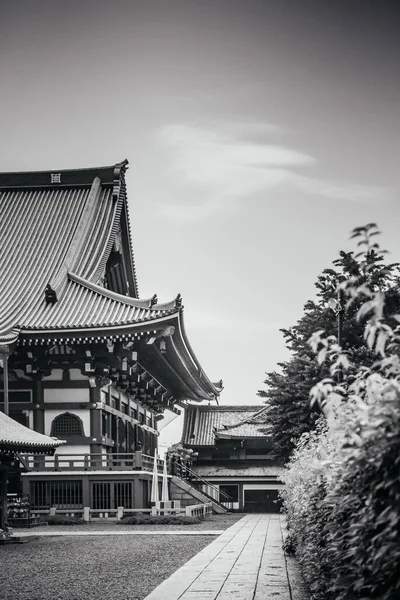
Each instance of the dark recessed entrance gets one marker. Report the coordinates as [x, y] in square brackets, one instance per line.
[262, 501]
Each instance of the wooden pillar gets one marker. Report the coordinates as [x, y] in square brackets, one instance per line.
[95, 424]
[25, 486]
[38, 413]
[116, 439]
[138, 492]
[3, 494]
[4, 352]
[86, 491]
[5, 378]
[138, 460]
[95, 420]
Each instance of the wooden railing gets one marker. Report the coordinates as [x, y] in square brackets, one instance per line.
[133, 461]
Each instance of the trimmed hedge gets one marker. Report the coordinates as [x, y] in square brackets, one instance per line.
[143, 519]
[342, 494]
[61, 520]
[344, 520]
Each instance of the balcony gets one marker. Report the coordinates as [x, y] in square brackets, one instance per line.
[134, 461]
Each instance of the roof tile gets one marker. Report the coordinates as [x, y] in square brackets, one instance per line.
[203, 422]
[14, 436]
[50, 233]
[238, 470]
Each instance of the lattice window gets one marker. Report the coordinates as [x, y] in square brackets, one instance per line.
[101, 496]
[61, 494]
[55, 178]
[66, 424]
[123, 494]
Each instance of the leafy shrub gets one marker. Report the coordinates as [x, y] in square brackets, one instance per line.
[363, 532]
[144, 519]
[61, 520]
[305, 489]
[342, 494]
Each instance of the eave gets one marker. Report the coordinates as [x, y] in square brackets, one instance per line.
[84, 334]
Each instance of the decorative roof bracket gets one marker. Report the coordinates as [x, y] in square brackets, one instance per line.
[166, 332]
[119, 171]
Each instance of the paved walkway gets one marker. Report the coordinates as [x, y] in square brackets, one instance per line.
[246, 562]
[41, 533]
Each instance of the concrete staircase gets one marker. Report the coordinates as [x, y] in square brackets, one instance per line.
[187, 494]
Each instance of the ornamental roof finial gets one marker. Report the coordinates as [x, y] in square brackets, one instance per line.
[178, 301]
[153, 300]
[50, 295]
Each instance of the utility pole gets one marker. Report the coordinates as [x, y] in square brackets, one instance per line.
[340, 311]
[339, 316]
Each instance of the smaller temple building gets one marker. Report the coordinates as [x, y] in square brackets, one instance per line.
[234, 454]
[16, 438]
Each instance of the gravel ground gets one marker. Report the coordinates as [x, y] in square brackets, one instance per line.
[89, 568]
[93, 567]
[209, 524]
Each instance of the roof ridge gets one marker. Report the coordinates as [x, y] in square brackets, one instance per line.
[231, 407]
[65, 177]
[247, 420]
[78, 241]
[149, 303]
[129, 235]
[262, 410]
[175, 303]
[119, 201]
[62, 170]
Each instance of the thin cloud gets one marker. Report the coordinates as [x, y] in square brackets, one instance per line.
[230, 163]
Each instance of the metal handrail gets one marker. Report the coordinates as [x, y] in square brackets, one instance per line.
[207, 483]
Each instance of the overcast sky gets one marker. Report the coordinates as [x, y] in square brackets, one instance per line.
[259, 133]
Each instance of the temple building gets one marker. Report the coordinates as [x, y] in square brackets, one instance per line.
[86, 360]
[234, 455]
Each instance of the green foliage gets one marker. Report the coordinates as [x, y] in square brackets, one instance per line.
[179, 451]
[342, 493]
[144, 519]
[287, 392]
[290, 414]
[363, 530]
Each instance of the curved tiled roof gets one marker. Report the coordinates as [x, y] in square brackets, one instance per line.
[62, 236]
[58, 230]
[243, 430]
[86, 305]
[250, 427]
[14, 436]
[202, 423]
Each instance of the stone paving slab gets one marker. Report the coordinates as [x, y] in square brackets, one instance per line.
[37, 534]
[246, 562]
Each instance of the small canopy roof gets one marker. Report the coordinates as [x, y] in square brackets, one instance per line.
[255, 426]
[204, 424]
[238, 469]
[18, 438]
